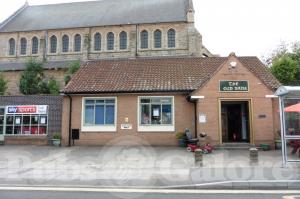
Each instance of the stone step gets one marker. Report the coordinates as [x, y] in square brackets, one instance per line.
[234, 146]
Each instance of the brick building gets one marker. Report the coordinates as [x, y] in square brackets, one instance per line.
[60, 33]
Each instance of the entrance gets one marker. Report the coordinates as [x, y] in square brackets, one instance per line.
[2, 117]
[235, 121]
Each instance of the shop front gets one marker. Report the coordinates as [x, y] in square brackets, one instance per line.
[229, 99]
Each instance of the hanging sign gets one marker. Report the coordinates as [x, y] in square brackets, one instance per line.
[30, 109]
[234, 86]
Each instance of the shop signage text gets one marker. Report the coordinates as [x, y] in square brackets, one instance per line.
[34, 109]
[234, 86]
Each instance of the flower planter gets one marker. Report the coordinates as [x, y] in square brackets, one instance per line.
[56, 142]
[277, 144]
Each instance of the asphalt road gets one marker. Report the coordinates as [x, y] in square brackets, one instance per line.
[13, 194]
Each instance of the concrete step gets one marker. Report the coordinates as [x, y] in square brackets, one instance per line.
[234, 146]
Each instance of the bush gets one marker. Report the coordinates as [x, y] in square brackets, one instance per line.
[73, 68]
[31, 81]
[53, 86]
[57, 136]
[3, 84]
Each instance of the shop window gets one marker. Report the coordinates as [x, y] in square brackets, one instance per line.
[99, 112]
[31, 120]
[2, 116]
[156, 111]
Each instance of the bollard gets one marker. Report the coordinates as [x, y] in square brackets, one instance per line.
[253, 152]
[199, 157]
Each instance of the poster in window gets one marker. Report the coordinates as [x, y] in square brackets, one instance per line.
[18, 120]
[43, 120]
[156, 112]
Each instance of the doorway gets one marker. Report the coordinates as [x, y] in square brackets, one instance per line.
[2, 120]
[235, 121]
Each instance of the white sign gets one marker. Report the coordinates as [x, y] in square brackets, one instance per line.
[202, 118]
[28, 109]
[156, 112]
[126, 126]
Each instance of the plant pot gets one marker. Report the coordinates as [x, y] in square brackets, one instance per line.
[181, 142]
[277, 144]
[265, 147]
[56, 142]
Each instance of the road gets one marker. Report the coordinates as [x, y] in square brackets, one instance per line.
[79, 193]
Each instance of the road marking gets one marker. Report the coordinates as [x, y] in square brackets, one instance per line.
[103, 190]
[291, 197]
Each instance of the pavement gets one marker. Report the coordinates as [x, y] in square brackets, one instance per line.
[143, 167]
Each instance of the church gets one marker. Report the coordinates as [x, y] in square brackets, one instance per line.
[145, 73]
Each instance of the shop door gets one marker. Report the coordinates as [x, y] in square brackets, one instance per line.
[235, 121]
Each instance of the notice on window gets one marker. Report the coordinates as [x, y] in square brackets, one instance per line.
[43, 120]
[18, 120]
[156, 112]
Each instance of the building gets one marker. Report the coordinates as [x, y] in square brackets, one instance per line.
[60, 33]
[228, 98]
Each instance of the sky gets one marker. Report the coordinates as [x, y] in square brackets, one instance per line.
[246, 27]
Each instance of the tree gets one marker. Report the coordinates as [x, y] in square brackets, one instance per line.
[284, 63]
[53, 86]
[31, 81]
[3, 84]
[73, 68]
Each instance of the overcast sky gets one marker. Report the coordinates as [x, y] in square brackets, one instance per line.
[247, 27]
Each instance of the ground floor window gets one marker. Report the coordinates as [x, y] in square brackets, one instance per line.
[2, 114]
[26, 120]
[156, 111]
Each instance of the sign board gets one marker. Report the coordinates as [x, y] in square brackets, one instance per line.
[28, 109]
[202, 118]
[234, 86]
[126, 126]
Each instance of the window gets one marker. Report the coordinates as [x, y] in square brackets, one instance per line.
[156, 111]
[65, 43]
[53, 44]
[97, 42]
[157, 39]
[99, 112]
[23, 46]
[77, 42]
[144, 39]
[123, 40]
[12, 46]
[110, 41]
[35, 45]
[171, 38]
[26, 123]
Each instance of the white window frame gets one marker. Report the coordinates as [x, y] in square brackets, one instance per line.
[98, 128]
[156, 128]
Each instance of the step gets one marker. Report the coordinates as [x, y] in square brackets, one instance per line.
[234, 146]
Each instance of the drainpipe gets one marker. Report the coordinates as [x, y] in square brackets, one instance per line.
[136, 40]
[70, 121]
[196, 120]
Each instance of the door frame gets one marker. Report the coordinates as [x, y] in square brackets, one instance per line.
[250, 112]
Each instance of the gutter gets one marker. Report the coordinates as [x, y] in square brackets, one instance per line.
[127, 92]
[70, 120]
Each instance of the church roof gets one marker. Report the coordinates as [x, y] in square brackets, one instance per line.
[96, 13]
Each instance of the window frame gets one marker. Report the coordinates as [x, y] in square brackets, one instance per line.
[108, 39]
[142, 41]
[77, 43]
[155, 39]
[97, 127]
[23, 46]
[51, 46]
[11, 52]
[169, 38]
[155, 127]
[99, 49]
[63, 43]
[123, 40]
[33, 48]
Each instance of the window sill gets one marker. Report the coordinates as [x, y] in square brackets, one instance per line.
[156, 128]
[98, 128]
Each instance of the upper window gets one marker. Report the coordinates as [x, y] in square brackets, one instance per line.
[53, 44]
[77, 41]
[65, 43]
[171, 38]
[35, 45]
[156, 111]
[99, 112]
[23, 46]
[110, 41]
[144, 39]
[12, 46]
[123, 40]
[97, 42]
[157, 39]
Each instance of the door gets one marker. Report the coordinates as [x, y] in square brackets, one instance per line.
[235, 121]
[2, 119]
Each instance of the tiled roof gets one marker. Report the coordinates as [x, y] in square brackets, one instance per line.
[156, 74]
[96, 13]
